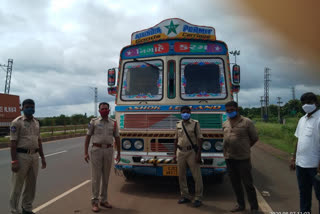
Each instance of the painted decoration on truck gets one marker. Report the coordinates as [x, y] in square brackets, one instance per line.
[155, 108]
[173, 29]
[174, 47]
[202, 79]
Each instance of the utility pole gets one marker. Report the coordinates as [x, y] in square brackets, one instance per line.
[293, 93]
[266, 92]
[235, 53]
[279, 106]
[8, 76]
[261, 101]
[95, 89]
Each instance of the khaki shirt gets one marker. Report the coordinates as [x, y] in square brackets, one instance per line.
[238, 138]
[193, 130]
[25, 132]
[102, 131]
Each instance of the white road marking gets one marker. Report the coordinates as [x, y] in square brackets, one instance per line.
[263, 205]
[55, 153]
[60, 196]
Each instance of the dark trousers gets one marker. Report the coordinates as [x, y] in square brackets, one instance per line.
[240, 173]
[306, 180]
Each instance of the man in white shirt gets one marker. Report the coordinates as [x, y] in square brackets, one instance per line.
[306, 159]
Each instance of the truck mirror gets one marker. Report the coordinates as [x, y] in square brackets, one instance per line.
[236, 74]
[112, 90]
[235, 88]
[111, 77]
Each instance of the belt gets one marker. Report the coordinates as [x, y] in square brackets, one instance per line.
[27, 151]
[184, 148]
[100, 145]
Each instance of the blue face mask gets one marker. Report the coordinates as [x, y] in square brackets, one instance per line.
[185, 116]
[232, 114]
[28, 111]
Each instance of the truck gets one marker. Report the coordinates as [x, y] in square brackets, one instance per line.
[9, 110]
[168, 66]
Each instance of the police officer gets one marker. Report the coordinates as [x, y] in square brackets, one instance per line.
[102, 130]
[25, 146]
[188, 138]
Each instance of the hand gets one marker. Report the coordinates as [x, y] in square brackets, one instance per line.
[174, 159]
[118, 157]
[292, 164]
[86, 158]
[15, 167]
[44, 163]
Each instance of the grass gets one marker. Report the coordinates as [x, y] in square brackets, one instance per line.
[48, 134]
[278, 135]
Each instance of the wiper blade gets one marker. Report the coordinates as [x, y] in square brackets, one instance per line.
[151, 65]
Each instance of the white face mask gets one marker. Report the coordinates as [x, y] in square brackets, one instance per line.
[308, 108]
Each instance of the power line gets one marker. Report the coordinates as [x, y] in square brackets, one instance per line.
[279, 106]
[293, 93]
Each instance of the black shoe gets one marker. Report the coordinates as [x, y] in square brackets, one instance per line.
[238, 209]
[26, 212]
[197, 203]
[184, 200]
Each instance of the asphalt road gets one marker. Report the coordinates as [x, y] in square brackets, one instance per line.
[66, 169]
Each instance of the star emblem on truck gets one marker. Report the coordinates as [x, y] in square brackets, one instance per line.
[171, 28]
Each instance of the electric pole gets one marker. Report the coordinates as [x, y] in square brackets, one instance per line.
[266, 92]
[8, 76]
[235, 53]
[95, 89]
[279, 106]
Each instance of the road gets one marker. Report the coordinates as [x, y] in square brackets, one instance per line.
[66, 170]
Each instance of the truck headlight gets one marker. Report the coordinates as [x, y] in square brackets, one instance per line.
[206, 145]
[218, 146]
[126, 144]
[138, 144]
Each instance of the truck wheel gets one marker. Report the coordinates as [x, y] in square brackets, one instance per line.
[129, 175]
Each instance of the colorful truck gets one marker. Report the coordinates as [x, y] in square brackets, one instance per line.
[9, 110]
[168, 66]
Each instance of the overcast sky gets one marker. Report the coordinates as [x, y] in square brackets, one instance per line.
[63, 48]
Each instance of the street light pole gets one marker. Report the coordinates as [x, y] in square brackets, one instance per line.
[235, 53]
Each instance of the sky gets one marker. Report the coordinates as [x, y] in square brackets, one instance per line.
[62, 49]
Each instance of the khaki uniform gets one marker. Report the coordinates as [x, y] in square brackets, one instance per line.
[101, 132]
[187, 157]
[26, 134]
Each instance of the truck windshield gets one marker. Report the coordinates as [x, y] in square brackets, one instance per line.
[202, 79]
[142, 80]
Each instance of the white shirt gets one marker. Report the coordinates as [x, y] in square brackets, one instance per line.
[308, 134]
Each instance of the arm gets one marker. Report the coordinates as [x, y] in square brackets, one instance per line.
[199, 142]
[43, 160]
[14, 162]
[253, 134]
[86, 146]
[117, 139]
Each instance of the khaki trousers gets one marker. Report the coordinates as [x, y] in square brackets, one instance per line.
[185, 159]
[27, 175]
[101, 162]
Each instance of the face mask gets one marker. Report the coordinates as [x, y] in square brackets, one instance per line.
[185, 116]
[232, 114]
[104, 112]
[308, 108]
[28, 111]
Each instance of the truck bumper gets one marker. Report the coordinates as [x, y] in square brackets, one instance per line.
[158, 170]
